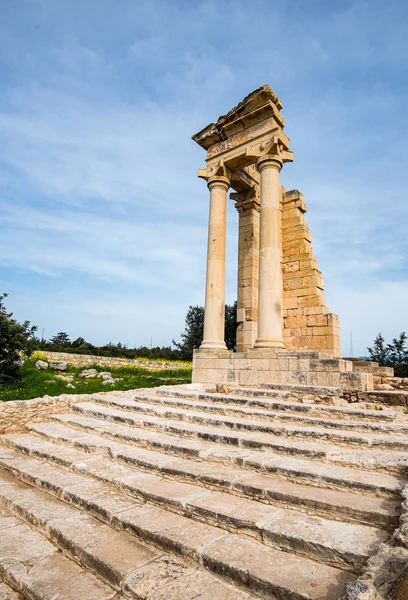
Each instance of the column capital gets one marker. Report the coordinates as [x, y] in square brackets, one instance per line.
[218, 181]
[269, 160]
[246, 200]
[217, 172]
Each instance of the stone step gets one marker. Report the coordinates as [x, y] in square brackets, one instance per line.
[278, 401]
[267, 488]
[339, 544]
[34, 566]
[245, 562]
[155, 417]
[387, 397]
[319, 390]
[314, 472]
[252, 413]
[7, 592]
[239, 445]
[112, 553]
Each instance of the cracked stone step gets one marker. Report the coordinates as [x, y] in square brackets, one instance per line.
[386, 440]
[268, 401]
[305, 389]
[228, 409]
[340, 544]
[313, 471]
[114, 555]
[208, 444]
[34, 567]
[267, 488]
[248, 563]
[7, 592]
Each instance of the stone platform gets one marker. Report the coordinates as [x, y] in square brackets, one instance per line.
[256, 367]
[177, 493]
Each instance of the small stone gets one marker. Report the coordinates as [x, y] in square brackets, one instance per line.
[69, 378]
[105, 375]
[359, 590]
[41, 365]
[308, 399]
[108, 381]
[89, 373]
[58, 365]
[69, 385]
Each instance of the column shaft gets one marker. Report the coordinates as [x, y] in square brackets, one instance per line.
[214, 316]
[248, 270]
[270, 333]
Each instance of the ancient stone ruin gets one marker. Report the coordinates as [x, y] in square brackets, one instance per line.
[280, 288]
[281, 474]
[286, 333]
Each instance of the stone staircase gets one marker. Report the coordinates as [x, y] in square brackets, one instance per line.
[175, 494]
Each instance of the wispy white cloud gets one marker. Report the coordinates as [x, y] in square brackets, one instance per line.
[102, 219]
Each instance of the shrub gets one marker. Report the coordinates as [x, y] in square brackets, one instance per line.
[15, 338]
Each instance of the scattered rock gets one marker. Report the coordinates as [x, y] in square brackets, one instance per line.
[69, 385]
[69, 378]
[221, 388]
[111, 380]
[309, 399]
[105, 375]
[58, 365]
[359, 590]
[339, 401]
[50, 381]
[41, 365]
[89, 373]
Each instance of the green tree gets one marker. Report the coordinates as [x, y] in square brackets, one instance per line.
[193, 332]
[393, 355]
[231, 326]
[15, 338]
[380, 351]
[192, 336]
[398, 355]
[61, 339]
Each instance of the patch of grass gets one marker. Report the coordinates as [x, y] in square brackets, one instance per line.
[35, 384]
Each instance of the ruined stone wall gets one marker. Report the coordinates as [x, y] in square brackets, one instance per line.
[308, 324]
[16, 414]
[87, 360]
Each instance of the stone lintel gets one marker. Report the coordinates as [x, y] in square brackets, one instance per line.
[242, 180]
[251, 109]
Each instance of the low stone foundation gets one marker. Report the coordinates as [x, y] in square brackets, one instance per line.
[15, 414]
[257, 367]
[88, 360]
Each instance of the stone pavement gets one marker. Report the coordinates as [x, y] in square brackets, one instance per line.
[178, 494]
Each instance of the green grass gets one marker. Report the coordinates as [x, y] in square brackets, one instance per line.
[35, 384]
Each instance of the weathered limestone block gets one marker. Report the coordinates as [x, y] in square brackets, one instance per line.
[303, 284]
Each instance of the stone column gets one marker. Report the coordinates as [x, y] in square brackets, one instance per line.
[247, 204]
[270, 326]
[214, 316]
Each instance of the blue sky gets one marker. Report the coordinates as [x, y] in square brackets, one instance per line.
[103, 221]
